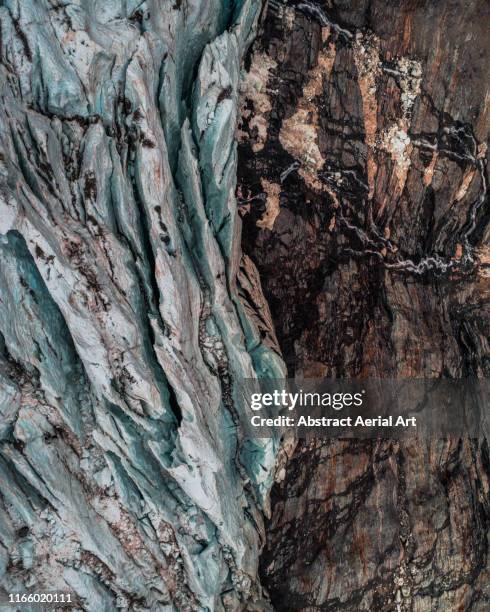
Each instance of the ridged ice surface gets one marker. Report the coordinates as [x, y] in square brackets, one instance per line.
[123, 474]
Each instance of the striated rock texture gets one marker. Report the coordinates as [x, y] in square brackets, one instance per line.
[124, 476]
[363, 185]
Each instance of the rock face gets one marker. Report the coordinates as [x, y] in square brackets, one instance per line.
[129, 316]
[363, 188]
[125, 478]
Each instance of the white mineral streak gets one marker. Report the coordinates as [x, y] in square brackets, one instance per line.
[395, 139]
[125, 475]
[366, 56]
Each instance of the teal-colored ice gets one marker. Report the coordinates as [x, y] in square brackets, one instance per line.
[125, 476]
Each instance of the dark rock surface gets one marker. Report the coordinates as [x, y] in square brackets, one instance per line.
[363, 189]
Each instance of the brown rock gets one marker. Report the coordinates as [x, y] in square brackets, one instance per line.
[376, 265]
